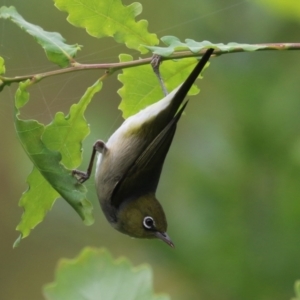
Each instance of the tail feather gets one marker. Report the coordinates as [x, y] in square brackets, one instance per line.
[185, 87]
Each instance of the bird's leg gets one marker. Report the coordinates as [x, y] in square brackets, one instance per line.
[155, 63]
[81, 176]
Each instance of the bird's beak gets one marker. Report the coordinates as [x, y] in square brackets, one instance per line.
[164, 237]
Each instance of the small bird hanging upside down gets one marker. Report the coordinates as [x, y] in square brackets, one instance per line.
[130, 163]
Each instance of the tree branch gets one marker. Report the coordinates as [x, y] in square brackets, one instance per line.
[112, 67]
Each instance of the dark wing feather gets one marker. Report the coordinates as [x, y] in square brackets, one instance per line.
[143, 175]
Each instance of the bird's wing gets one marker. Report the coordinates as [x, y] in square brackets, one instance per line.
[143, 175]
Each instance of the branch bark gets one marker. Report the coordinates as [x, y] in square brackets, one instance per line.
[112, 67]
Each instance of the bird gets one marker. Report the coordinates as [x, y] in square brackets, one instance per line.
[130, 163]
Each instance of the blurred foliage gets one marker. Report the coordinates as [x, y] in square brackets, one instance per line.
[94, 275]
[289, 9]
[230, 185]
[297, 290]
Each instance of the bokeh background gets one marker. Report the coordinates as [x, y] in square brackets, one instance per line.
[231, 182]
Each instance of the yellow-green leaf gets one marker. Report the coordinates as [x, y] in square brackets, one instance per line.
[141, 87]
[2, 71]
[2, 66]
[110, 18]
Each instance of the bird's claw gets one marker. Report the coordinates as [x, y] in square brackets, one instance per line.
[80, 176]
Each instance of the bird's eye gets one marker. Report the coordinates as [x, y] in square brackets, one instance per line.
[148, 223]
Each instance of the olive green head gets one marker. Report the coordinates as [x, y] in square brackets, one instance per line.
[143, 218]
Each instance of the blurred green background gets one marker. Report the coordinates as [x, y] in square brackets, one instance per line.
[231, 182]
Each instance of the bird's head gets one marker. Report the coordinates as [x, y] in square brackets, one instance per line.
[143, 217]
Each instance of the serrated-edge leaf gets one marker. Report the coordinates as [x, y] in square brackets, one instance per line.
[110, 18]
[141, 87]
[65, 133]
[94, 274]
[50, 174]
[53, 43]
[35, 209]
[174, 44]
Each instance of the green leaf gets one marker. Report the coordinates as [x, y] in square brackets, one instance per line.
[110, 18]
[36, 201]
[174, 44]
[53, 43]
[94, 275]
[2, 71]
[52, 148]
[141, 87]
[2, 66]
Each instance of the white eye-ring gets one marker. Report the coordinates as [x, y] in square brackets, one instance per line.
[148, 223]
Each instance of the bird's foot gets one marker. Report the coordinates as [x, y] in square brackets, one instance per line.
[155, 63]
